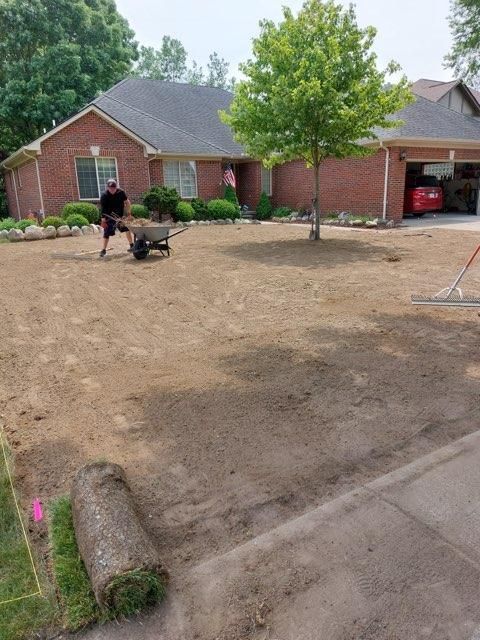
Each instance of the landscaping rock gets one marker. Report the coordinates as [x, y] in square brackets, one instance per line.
[94, 228]
[33, 233]
[371, 223]
[50, 232]
[64, 231]
[254, 221]
[228, 221]
[181, 224]
[99, 228]
[86, 230]
[76, 231]
[356, 223]
[15, 235]
[390, 224]
[4, 234]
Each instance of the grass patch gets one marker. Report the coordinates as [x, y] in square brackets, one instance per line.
[134, 591]
[22, 618]
[4, 241]
[78, 604]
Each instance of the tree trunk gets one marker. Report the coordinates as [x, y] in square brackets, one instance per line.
[316, 172]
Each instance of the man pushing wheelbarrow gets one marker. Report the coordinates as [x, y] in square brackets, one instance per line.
[114, 203]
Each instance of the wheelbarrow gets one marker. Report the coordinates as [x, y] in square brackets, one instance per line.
[151, 238]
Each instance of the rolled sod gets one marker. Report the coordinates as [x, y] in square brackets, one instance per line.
[120, 558]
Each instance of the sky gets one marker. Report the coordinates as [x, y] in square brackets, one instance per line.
[414, 33]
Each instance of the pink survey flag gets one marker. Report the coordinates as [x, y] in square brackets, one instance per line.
[37, 510]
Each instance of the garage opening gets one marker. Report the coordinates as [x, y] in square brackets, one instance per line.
[442, 187]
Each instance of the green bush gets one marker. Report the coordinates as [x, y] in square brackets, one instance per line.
[231, 196]
[164, 200]
[222, 209]
[23, 224]
[76, 220]
[8, 223]
[140, 211]
[184, 212]
[53, 221]
[264, 207]
[282, 212]
[200, 209]
[85, 209]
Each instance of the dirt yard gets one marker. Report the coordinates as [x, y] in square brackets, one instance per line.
[248, 378]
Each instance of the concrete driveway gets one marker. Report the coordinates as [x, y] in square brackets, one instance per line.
[456, 221]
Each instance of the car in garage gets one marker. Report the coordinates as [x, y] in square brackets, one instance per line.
[423, 194]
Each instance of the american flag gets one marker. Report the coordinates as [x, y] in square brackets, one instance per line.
[229, 176]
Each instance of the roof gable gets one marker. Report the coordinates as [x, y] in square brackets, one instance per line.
[436, 90]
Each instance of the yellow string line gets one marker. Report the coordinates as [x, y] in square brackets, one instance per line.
[39, 592]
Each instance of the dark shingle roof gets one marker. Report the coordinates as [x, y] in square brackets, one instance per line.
[426, 119]
[172, 117]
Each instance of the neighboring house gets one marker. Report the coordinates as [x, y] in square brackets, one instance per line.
[454, 95]
[148, 132]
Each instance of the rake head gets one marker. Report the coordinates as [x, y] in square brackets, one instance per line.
[450, 301]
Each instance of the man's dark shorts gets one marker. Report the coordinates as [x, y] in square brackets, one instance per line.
[111, 227]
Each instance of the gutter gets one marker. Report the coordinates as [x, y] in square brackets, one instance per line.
[385, 185]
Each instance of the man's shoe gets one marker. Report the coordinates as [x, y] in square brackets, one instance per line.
[130, 249]
[103, 253]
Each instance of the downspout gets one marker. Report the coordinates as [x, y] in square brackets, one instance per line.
[38, 180]
[385, 185]
[155, 157]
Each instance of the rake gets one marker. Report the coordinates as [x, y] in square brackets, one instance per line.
[452, 296]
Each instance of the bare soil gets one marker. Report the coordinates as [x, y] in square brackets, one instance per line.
[250, 377]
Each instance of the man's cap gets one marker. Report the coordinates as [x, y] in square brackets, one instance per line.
[111, 182]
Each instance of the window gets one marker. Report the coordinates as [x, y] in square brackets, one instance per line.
[182, 176]
[92, 174]
[267, 181]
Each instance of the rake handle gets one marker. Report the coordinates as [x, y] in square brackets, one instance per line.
[462, 272]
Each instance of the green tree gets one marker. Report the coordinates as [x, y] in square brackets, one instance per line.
[195, 74]
[313, 90]
[217, 73]
[464, 58]
[55, 56]
[167, 63]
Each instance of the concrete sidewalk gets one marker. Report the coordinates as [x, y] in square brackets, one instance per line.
[450, 221]
[397, 559]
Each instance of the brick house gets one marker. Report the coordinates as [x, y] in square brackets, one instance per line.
[148, 132]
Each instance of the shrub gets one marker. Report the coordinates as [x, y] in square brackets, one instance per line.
[140, 211]
[53, 221]
[8, 223]
[282, 212]
[76, 220]
[162, 199]
[85, 209]
[184, 212]
[200, 209]
[264, 207]
[222, 209]
[231, 196]
[23, 224]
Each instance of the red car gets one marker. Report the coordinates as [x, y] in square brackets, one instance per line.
[422, 194]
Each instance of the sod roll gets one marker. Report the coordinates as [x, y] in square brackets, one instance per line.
[121, 560]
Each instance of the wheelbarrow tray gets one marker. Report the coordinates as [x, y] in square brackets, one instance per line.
[150, 234]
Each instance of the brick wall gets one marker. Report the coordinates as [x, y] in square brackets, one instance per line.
[27, 190]
[249, 180]
[156, 172]
[353, 184]
[10, 191]
[209, 179]
[57, 160]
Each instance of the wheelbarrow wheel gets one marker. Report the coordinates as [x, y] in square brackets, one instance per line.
[140, 249]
